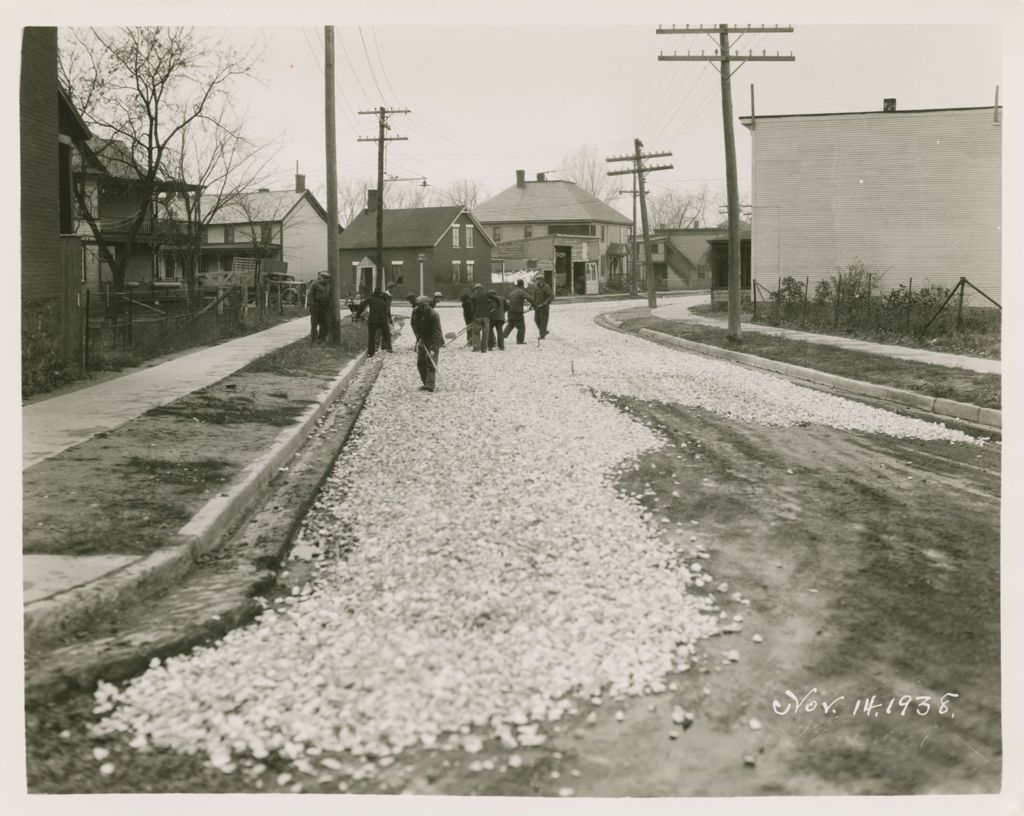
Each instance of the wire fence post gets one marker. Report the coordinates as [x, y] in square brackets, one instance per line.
[755, 300]
[778, 301]
[85, 343]
[838, 295]
[960, 305]
[807, 289]
[910, 302]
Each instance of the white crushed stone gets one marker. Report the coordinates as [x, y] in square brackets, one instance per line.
[493, 573]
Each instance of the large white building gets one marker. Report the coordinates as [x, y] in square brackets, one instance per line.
[914, 194]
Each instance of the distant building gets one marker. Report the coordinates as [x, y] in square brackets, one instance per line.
[288, 226]
[447, 244]
[558, 228]
[914, 193]
[681, 258]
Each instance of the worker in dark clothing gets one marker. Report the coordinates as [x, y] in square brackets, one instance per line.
[426, 327]
[467, 316]
[378, 321]
[481, 314]
[542, 298]
[318, 299]
[516, 301]
[496, 338]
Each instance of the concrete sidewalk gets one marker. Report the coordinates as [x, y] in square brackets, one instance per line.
[679, 309]
[54, 425]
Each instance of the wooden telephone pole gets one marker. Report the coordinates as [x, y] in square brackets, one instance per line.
[638, 170]
[382, 115]
[632, 236]
[726, 58]
[334, 329]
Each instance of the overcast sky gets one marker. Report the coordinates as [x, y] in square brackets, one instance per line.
[488, 100]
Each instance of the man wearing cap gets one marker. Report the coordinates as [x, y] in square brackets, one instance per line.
[481, 313]
[318, 299]
[516, 300]
[496, 338]
[378, 321]
[542, 298]
[437, 298]
[426, 327]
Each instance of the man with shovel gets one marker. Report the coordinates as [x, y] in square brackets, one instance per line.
[426, 327]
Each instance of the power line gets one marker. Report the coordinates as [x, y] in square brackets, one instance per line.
[380, 60]
[355, 75]
[369, 62]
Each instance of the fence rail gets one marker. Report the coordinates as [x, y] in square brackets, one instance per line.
[854, 301]
[121, 328]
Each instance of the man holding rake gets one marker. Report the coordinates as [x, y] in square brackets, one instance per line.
[426, 327]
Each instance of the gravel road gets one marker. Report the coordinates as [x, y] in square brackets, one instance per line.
[480, 574]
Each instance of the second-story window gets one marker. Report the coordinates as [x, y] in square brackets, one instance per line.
[229, 235]
[469, 236]
[496, 234]
[267, 232]
[528, 231]
[455, 237]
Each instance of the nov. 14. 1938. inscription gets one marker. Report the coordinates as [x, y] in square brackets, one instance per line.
[873, 706]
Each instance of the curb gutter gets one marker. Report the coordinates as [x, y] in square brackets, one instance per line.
[50, 619]
[222, 594]
[987, 417]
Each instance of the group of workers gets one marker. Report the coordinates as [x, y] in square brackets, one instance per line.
[489, 320]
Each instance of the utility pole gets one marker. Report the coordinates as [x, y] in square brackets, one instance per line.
[723, 56]
[382, 115]
[332, 188]
[632, 229]
[638, 172]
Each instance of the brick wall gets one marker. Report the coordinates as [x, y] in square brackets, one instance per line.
[40, 211]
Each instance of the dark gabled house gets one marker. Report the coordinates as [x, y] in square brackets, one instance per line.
[426, 249]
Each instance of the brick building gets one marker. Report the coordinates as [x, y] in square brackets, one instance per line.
[447, 243]
[50, 256]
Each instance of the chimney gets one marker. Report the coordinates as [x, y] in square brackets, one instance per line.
[520, 178]
[371, 200]
[300, 183]
[889, 106]
[540, 177]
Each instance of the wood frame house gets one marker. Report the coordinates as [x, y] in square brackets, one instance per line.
[577, 241]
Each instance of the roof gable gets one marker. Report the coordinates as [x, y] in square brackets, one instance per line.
[413, 227]
[547, 201]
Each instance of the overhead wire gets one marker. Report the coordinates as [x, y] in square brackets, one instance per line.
[369, 63]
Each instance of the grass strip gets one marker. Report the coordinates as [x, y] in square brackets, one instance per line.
[922, 378]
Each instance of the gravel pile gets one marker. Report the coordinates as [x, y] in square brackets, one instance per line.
[491, 572]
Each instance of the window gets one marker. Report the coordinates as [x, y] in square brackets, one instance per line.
[395, 276]
[604, 233]
[470, 271]
[267, 232]
[456, 271]
[455, 237]
[528, 231]
[229, 235]
[469, 236]
[496, 234]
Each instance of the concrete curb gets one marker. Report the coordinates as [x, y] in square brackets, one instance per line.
[987, 417]
[51, 619]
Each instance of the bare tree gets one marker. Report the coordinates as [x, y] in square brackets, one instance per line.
[589, 171]
[138, 89]
[216, 157]
[401, 195]
[675, 208]
[351, 199]
[467, 193]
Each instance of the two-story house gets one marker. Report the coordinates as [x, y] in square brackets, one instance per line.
[254, 227]
[426, 250]
[111, 197]
[576, 240]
